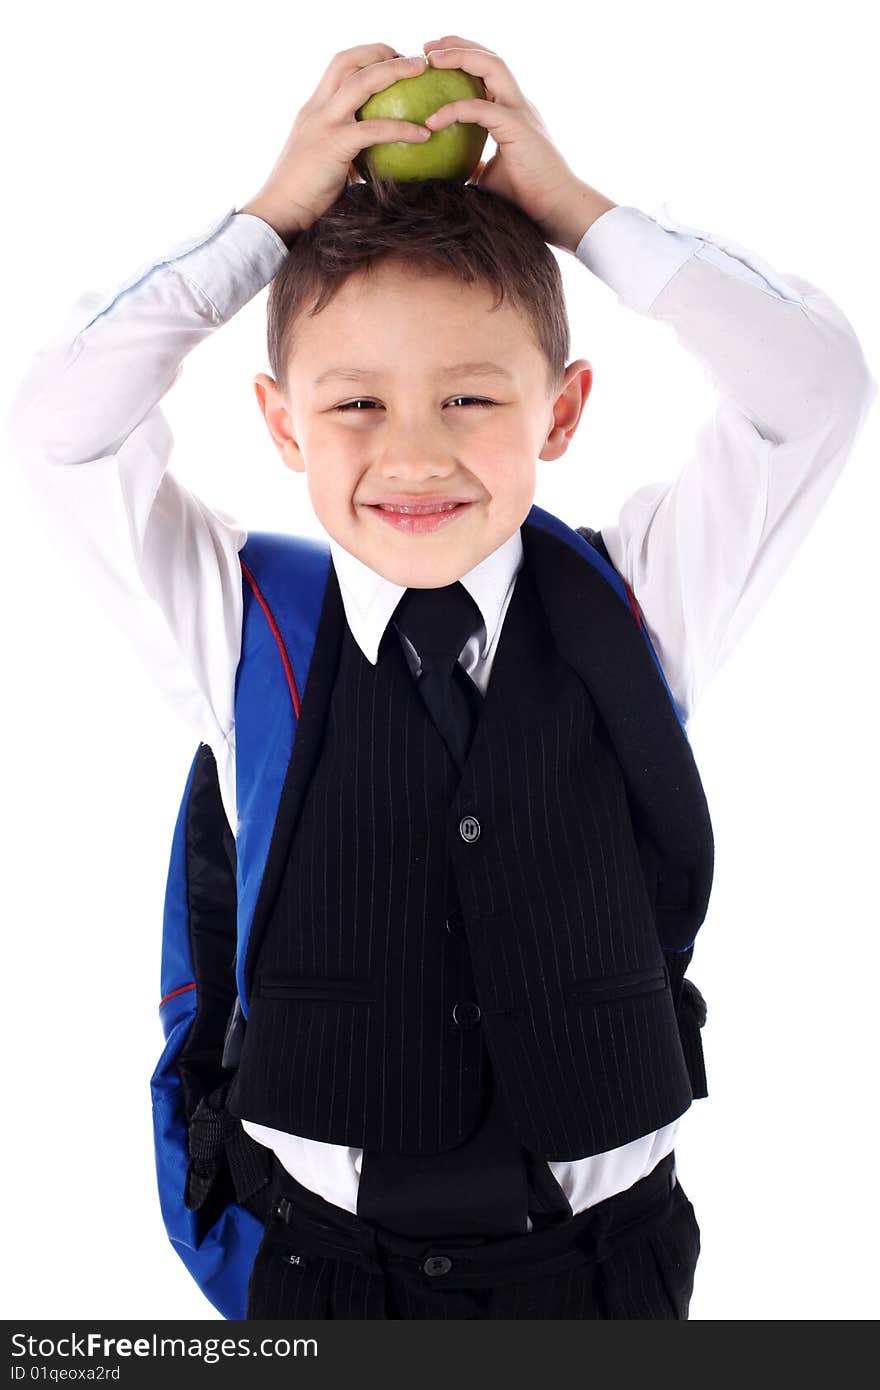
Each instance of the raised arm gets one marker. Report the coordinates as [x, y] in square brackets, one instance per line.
[91, 445]
[703, 551]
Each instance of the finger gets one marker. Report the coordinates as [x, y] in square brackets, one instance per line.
[384, 132]
[363, 83]
[491, 115]
[343, 64]
[454, 41]
[497, 77]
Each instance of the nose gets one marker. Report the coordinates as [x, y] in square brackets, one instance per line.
[413, 462]
[414, 447]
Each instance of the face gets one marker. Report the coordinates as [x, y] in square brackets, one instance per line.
[417, 427]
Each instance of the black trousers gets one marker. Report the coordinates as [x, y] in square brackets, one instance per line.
[631, 1256]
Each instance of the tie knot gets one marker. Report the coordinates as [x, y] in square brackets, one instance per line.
[438, 622]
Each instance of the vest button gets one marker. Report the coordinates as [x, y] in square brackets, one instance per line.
[469, 829]
[455, 925]
[437, 1264]
[467, 1014]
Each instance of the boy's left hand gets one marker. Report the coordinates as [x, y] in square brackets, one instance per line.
[527, 168]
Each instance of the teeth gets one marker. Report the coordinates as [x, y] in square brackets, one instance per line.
[418, 511]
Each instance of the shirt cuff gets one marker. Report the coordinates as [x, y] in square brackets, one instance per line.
[633, 254]
[232, 260]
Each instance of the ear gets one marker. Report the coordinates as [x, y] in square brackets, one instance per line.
[567, 408]
[275, 412]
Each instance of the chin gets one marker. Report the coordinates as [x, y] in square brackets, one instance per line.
[420, 571]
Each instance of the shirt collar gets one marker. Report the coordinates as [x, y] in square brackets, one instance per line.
[370, 599]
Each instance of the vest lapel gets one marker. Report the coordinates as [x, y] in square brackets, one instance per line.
[649, 741]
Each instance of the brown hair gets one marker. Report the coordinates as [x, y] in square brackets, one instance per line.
[435, 224]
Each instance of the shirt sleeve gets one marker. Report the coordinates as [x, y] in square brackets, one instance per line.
[703, 551]
[90, 448]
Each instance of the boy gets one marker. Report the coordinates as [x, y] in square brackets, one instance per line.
[468, 1194]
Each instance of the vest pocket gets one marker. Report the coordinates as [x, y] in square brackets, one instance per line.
[619, 986]
[335, 988]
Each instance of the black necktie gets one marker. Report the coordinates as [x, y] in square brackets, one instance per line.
[438, 622]
[486, 1186]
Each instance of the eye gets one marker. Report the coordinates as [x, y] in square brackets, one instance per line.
[474, 400]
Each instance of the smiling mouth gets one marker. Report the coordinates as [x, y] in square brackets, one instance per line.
[421, 518]
[421, 509]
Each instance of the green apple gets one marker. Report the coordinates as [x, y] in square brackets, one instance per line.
[452, 153]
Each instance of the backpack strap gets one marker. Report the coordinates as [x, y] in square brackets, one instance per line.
[596, 541]
[225, 1163]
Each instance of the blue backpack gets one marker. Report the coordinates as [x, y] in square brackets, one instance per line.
[214, 1181]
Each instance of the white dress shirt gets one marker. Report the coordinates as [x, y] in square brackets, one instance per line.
[87, 434]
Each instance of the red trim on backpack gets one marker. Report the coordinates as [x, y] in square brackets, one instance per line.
[288, 669]
[183, 989]
[633, 603]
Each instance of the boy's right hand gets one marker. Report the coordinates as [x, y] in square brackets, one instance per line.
[316, 161]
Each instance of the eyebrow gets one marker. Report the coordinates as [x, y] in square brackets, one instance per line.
[461, 368]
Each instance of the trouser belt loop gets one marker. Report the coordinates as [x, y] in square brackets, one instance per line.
[371, 1249]
[594, 1240]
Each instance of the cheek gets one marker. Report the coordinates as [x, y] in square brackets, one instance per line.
[332, 466]
[509, 470]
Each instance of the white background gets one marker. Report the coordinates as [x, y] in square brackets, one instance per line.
[128, 128]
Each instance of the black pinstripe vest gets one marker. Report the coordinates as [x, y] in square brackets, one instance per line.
[415, 933]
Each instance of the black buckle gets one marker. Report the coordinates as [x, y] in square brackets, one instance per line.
[283, 1209]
